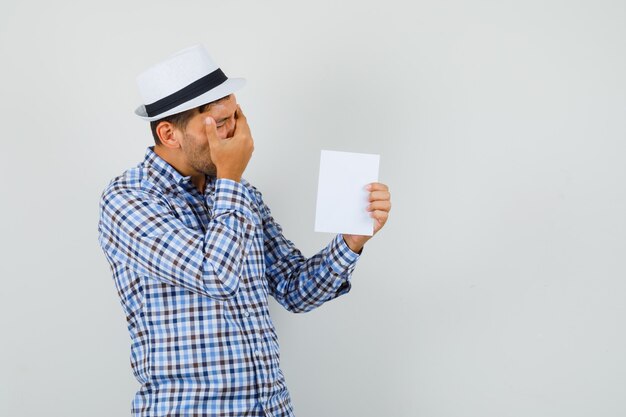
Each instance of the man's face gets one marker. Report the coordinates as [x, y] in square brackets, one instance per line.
[195, 145]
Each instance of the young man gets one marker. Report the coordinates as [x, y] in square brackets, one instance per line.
[195, 253]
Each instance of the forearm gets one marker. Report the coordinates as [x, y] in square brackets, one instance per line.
[302, 284]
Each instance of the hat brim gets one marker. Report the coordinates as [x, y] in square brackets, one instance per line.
[227, 87]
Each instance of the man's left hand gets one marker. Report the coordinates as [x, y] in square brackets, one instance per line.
[379, 207]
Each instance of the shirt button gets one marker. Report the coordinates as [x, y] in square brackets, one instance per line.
[246, 313]
[257, 353]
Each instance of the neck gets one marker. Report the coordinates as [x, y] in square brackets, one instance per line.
[174, 159]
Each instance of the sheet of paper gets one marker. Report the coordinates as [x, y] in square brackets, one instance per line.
[341, 195]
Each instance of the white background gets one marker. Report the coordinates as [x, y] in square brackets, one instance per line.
[497, 287]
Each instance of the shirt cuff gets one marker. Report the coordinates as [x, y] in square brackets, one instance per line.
[343, 259]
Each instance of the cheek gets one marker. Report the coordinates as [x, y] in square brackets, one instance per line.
[194, 142]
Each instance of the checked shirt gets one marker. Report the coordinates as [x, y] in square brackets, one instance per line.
[194, 271]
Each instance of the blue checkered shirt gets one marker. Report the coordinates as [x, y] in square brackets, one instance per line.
[194, 271]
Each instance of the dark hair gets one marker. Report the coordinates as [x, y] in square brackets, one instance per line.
[180, 120]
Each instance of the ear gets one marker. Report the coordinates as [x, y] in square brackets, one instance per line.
[167, 135]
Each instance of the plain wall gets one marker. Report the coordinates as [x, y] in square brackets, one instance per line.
[497, 287]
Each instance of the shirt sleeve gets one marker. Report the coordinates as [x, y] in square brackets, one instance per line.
[298, 283]
[141, 232]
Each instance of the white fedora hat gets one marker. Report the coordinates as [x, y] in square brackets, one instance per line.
[187, 79]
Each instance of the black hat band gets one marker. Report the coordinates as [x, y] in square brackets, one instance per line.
[193, 90]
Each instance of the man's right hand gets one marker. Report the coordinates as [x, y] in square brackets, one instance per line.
[230, 155]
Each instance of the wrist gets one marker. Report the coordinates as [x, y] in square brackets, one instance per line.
[354, 244]
[228, 176]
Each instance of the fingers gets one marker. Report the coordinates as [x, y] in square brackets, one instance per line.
[384, 205]
[239, 113]
[380, 195]
[380, 204]
[241, 127]
[377, 186]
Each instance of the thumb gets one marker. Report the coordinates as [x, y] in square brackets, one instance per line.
[211, 130]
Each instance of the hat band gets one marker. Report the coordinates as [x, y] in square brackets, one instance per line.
[193, 90]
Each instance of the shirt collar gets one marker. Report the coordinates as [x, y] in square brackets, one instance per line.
[163, 174]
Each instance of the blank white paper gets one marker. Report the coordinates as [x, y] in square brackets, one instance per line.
[341, 195]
